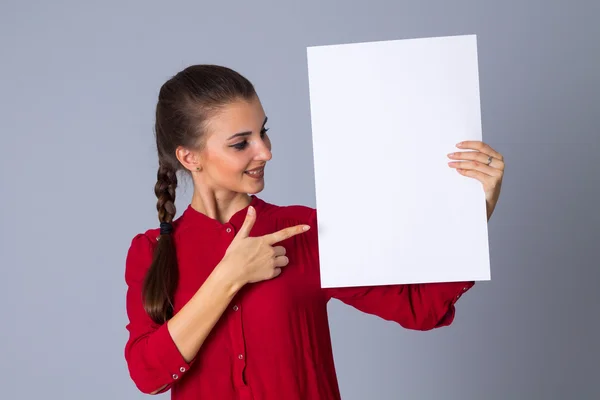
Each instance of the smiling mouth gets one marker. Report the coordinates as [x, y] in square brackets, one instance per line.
[256, 173]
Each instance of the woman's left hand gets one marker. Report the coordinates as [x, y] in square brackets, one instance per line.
[477, 165]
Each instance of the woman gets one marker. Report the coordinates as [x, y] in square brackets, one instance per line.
[225, 301]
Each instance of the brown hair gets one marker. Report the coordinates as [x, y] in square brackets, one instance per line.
[185, 102]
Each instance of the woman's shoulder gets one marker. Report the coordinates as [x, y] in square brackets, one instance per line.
[140, 251]
[147, 238]
[277, 217]
[288, 214]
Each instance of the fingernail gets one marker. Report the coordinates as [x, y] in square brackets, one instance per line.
[306, 227]
[459, 144]
[250, 210]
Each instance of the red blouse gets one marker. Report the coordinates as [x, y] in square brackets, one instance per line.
[273, 341]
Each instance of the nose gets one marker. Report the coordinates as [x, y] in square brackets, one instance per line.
[263, 150]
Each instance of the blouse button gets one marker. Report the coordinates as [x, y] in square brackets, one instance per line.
[228, 230]
[235, 308]
[175, 376]
[241, 356]
[182, 369]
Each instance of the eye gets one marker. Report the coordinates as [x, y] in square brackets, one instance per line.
[242, 145]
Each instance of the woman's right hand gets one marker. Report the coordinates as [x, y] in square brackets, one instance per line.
[255, 259]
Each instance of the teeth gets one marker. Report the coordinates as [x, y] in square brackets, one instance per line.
[254, 172]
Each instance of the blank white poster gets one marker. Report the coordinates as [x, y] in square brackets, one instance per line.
[384, 117]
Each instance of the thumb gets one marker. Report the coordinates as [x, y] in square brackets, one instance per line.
[244, 231]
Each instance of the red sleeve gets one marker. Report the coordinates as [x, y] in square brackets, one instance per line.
[415, 306]
[152, 357]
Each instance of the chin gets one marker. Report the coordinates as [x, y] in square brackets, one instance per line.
[256, 188]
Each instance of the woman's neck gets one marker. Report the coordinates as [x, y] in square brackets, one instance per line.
[219, 206]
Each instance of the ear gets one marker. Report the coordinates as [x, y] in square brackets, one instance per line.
[190, 159]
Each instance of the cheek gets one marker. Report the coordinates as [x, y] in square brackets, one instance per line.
[227, 165]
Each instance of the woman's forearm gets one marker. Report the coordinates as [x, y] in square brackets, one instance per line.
[190, 327]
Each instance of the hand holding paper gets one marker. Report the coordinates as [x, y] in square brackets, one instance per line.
[484, 164]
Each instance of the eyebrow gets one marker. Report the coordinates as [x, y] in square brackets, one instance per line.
[247, 132]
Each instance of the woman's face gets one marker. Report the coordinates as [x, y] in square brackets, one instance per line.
[236, 148]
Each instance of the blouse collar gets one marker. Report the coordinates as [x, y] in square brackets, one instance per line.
[237, 219]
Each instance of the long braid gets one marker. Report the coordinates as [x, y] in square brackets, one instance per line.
[161, 280]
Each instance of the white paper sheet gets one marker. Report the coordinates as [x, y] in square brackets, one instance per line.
[384, 117]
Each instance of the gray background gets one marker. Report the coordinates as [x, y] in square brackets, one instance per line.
[78, 85]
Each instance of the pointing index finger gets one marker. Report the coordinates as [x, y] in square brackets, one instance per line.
[286, 233]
